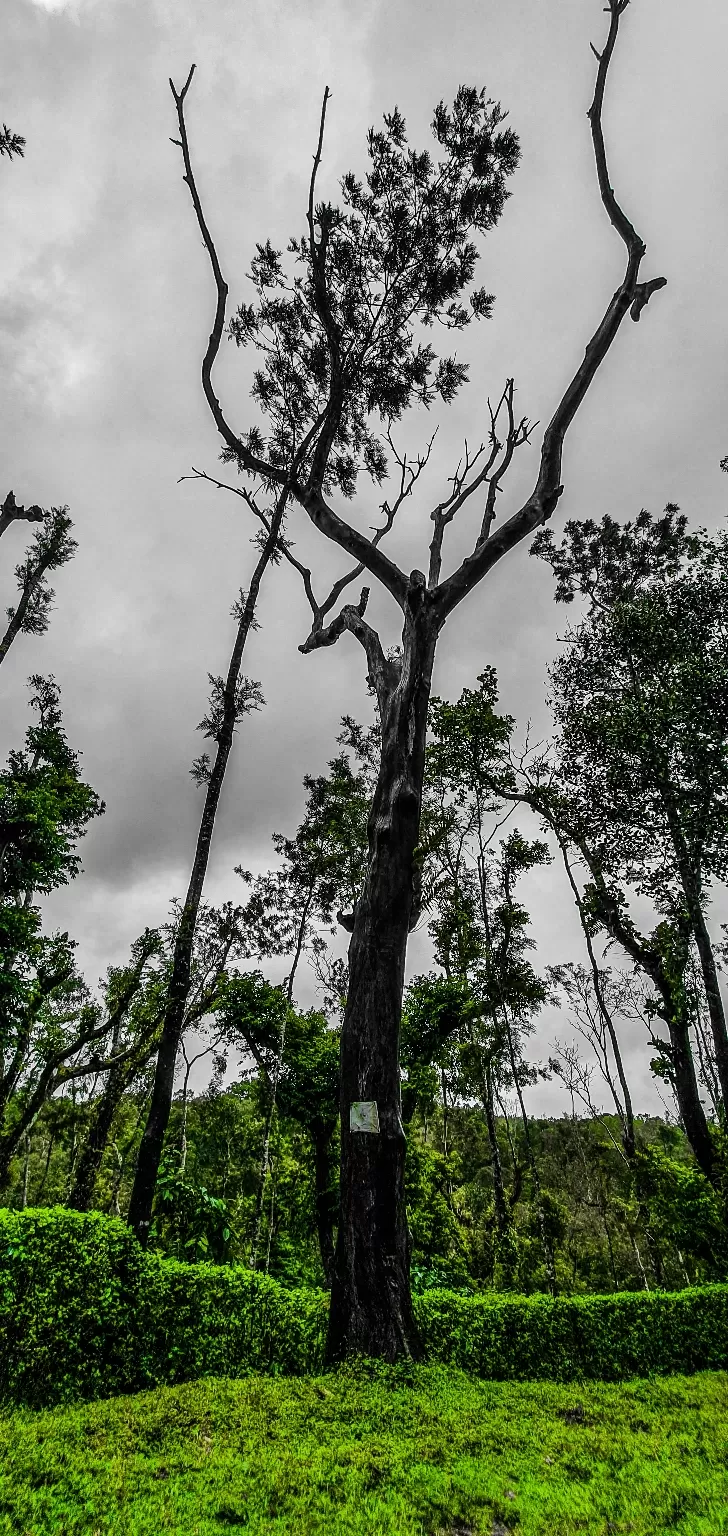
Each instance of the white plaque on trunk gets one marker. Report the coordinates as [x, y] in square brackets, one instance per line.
[364, 1116]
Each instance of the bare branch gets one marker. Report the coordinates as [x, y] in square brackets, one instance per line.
[351, 619]
[314, 172]
[518, 434]
[443, 514]
[249, 460]
[410, 473]
[630, 295]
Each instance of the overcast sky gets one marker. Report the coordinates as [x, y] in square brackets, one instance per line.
[106, 302]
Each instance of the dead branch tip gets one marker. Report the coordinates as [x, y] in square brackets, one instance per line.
[179, 96]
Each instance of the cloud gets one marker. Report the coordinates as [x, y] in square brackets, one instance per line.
[55, 6]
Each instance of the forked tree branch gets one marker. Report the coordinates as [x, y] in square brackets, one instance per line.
[382, 672]
[463, 489]
[490, 545]
[350, 618]
[630, 295]
[410, 471]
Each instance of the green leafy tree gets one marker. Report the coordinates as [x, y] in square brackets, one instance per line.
[637, 783]
[135, 995]
[253, 1015]
[337, 330]
[320, 869]
[46, 1016]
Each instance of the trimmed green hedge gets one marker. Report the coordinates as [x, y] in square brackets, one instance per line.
[564, 1338]
[85, 1313]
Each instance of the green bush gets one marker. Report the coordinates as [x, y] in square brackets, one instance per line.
[85, 1313]
[69, 1306]
[564, 1338]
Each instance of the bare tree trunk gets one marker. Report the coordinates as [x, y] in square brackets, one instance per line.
[445, 1130]
[46, 1166]
[152, 1142]
[115, 1211]
[371, 1304]
[263, 1175]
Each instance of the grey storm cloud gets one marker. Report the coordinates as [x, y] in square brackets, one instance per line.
[106, 302]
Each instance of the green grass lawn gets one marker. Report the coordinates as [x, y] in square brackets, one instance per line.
[406, 1452]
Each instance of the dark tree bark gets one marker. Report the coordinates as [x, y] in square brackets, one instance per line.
[371, 1306]
[152, 1142]
[10, 512]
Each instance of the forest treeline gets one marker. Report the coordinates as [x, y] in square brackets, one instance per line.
[628, 800]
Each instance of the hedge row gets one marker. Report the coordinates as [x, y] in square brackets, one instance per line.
[565, 1338]
[85, 1313]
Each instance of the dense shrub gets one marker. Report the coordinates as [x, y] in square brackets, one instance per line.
[70, 1287]
[563, 1338]
[85, 1313]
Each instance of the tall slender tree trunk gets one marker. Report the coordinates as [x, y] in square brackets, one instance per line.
[322, 1136]
[689, 862]
[273, 1086]
[152, 1142]
[625, 1109]
[716, 1011]
[102, 1119]
[502, 1218]
[26, 1170]
[371, 1304]
[666, 971]
[546, 1247]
